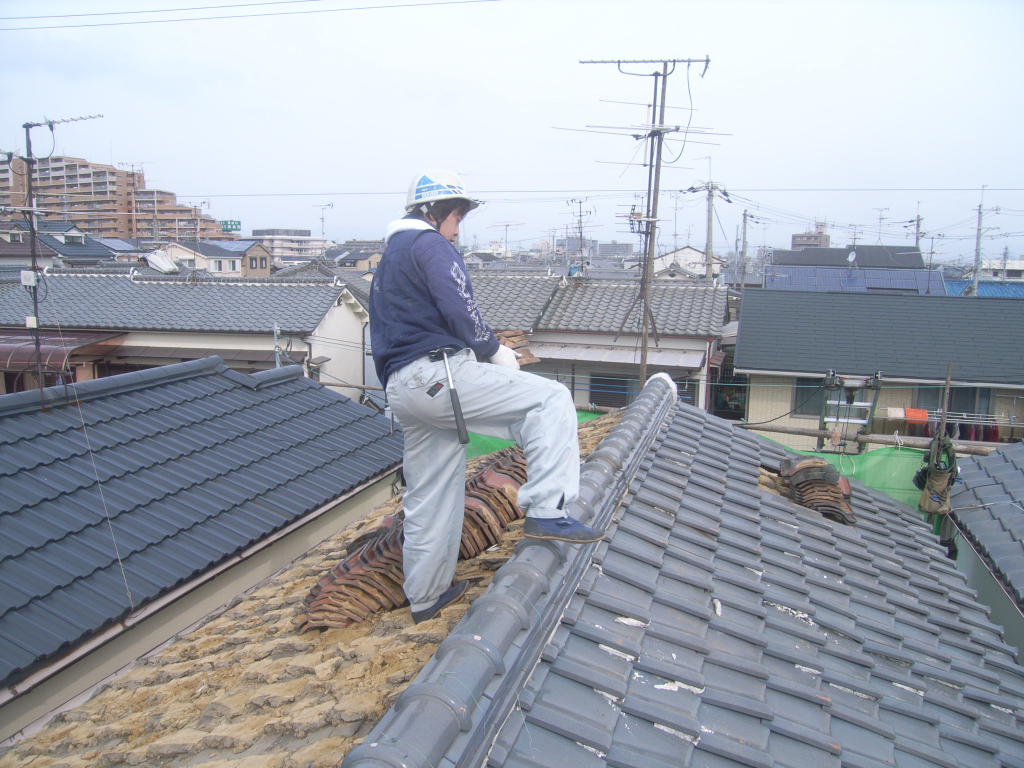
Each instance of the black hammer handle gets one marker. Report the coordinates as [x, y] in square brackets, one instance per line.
[460, 421]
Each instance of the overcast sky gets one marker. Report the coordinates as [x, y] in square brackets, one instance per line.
[894, 105]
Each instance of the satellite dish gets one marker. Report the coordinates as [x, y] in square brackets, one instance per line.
[852, 257]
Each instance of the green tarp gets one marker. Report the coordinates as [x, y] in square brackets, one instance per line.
[889, 470]
[479, 445]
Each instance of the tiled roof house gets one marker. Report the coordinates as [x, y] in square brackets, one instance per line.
[167, 319]
[136, 495]
[789, 340]
[718, 624]
[586, 330]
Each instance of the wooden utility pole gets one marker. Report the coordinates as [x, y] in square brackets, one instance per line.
[656, 134]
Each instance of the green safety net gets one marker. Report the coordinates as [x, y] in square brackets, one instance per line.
[889, 470]
[479, 445]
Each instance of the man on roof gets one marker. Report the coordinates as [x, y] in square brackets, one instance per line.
[422, 310]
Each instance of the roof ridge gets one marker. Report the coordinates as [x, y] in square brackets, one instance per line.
[63, 394]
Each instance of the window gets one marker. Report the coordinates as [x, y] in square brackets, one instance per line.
[17, 237]
[961, 399]
[218, 265]
[263, 262]
[252, 262]
[808, 395]
[609, 390]
[75, 239]
[232, 265]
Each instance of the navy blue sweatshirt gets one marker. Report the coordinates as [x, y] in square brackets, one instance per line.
[422, 299]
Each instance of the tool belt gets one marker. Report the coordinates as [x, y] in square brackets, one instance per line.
[435, 355]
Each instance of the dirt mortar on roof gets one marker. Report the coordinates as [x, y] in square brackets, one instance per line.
[243, 690]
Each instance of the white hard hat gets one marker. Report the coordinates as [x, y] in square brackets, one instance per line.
[434, 186]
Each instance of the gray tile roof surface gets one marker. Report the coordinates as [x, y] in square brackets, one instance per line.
[901, 336]
[220, 249]
[512, 302]
[881, 256]
[360, 289]
[25, 249]
[718, 624]
[170, 304]
[187, 464]
[89, 250]
[857, 280]
[318, 268]
[595, 305]
[989, 507]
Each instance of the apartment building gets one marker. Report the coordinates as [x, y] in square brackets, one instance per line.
[104, 201]
[289, 245]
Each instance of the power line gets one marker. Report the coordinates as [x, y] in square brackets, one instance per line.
[734, 191]
[248, 15]
[155, 10]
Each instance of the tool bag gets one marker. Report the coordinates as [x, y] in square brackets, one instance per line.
[937, 476]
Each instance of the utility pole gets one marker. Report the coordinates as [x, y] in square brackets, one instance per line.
[977, 245]
[917, 228]
[709, 251]
[743, 254]
[709, 258]
[656, 134]
[31, 279]
[1006, 255]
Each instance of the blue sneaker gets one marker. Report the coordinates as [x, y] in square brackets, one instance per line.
[450, 595]
[560, 529]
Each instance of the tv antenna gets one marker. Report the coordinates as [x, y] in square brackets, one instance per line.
[31, 279]
[648, 221]
[506, 225]
[323, 237]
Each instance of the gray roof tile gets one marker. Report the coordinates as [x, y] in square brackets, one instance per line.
[704, 632]
[195, 463]
[118, 302]
[989, 507]
[796, 332]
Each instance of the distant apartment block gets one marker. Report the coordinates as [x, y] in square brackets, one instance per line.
[819, 238]
[614, 248]
[1002, 269]
[104, 201]
[571, 246]
[291, 244]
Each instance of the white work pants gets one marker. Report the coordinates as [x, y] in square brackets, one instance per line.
[497, 402]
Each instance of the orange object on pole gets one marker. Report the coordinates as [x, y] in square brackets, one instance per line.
[916, 416]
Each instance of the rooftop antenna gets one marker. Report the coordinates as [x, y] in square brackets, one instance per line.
[881, 218]
[323, 237]
[30, 279]
[506, 225]
[655, 133]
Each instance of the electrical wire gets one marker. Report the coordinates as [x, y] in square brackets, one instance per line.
[689, 95]
[156, 10]
[787, 413]
[249, 15]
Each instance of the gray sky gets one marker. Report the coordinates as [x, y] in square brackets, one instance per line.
[268, 118]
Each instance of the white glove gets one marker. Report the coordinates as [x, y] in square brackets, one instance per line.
[505, 356]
